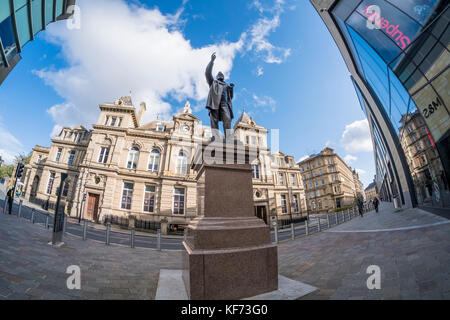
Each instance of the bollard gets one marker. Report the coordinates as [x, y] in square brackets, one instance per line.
[328, 220]
[20, 208]
[318, 224]
[46, 221]
[158, 240]
[65, 222]
[185, 235]
[276, 233]
[335, 217]
[108, 231]
[306, 227]
[132, 236]
[85, 225]
[4, 204]
[343, 216]
[292, 231]
[32, 215]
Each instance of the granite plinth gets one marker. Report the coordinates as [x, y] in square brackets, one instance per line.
[228, 251]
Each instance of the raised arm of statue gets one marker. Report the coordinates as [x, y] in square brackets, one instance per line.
[230, 90]
[208, 72]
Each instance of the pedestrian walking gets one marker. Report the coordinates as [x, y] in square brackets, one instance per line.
[360, 204]
[10, 195]
[376, 202]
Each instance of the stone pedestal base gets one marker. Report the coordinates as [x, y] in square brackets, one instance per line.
[230, 273]
[228, 250]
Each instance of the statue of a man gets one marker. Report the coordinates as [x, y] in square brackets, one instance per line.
[219, 99]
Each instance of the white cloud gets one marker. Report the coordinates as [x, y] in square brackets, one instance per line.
[259, 32]
[356, 137]
[259, 71]
[349, 158]
[122, 47]
[264, 102]
[360, 171]
[10, 146]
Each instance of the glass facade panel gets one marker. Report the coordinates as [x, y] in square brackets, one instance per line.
[36, 12]
[7, 36]
[419, 10]
[59, 7]
[48, 12]
[5, 10]
[23, 25]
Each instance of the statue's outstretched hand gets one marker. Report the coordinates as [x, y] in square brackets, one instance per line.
[213, 56]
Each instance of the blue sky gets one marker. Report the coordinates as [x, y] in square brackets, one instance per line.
[288, 72]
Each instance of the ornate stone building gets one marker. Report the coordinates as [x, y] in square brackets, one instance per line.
[123, 168]
[329, 182]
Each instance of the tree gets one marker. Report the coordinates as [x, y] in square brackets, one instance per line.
[6, 171]
[25, 159]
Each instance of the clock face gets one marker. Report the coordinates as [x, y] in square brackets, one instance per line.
[186, 128]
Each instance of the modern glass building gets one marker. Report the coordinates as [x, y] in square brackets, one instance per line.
[397, 52]
[20, 21]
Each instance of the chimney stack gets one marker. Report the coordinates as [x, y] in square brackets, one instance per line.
[142, 109]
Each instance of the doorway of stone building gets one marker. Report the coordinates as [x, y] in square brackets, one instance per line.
[261, 212]
[92, 208]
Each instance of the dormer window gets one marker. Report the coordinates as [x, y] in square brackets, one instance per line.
[160, 126]
[120, 122]
[113, 121]
[106, 120]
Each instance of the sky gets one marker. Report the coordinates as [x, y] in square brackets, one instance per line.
[287, 70]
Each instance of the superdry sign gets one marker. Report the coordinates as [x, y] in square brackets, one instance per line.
[375, 20]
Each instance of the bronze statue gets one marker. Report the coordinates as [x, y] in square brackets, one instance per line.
[219, 100]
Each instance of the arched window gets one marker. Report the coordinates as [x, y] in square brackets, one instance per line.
[181, 163]
[133, 157]
[153, 161]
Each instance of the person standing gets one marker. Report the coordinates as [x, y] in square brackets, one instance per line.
[376, 202]
[360, 206]
[10, 195]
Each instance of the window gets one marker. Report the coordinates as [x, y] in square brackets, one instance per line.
[127, 195]
[280, 178]
[149, 198]
[310, 185]
[307, 167]
[320, 204]
[323, 181]
[292, 177]
[160, 126]
[247, 139]
[103, 157]
[296, 207]
[318, 163]
[51, 180]
[325, 203]
[313, 205]
[320, 171]
[106, 120]
[65, 191]
[317, 183]
[181, 165]
[39, 159]
[120, 122]
[303, 168]
[314, 174]
[304, 177]
[318, 193]
[113, 121]
[178, 201]
[309, 176]
[255, 171]
[312, 194]
[133, 157]
[75, 137]
[58, 155]
[153, 162]
[313, 166]
[71, 157]
[283, 204]
[253, 140]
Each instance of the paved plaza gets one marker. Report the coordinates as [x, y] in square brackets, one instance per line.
[411, 247]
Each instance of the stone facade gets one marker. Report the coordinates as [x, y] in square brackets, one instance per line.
[130, 170]
[329, 182]
[371, 191]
